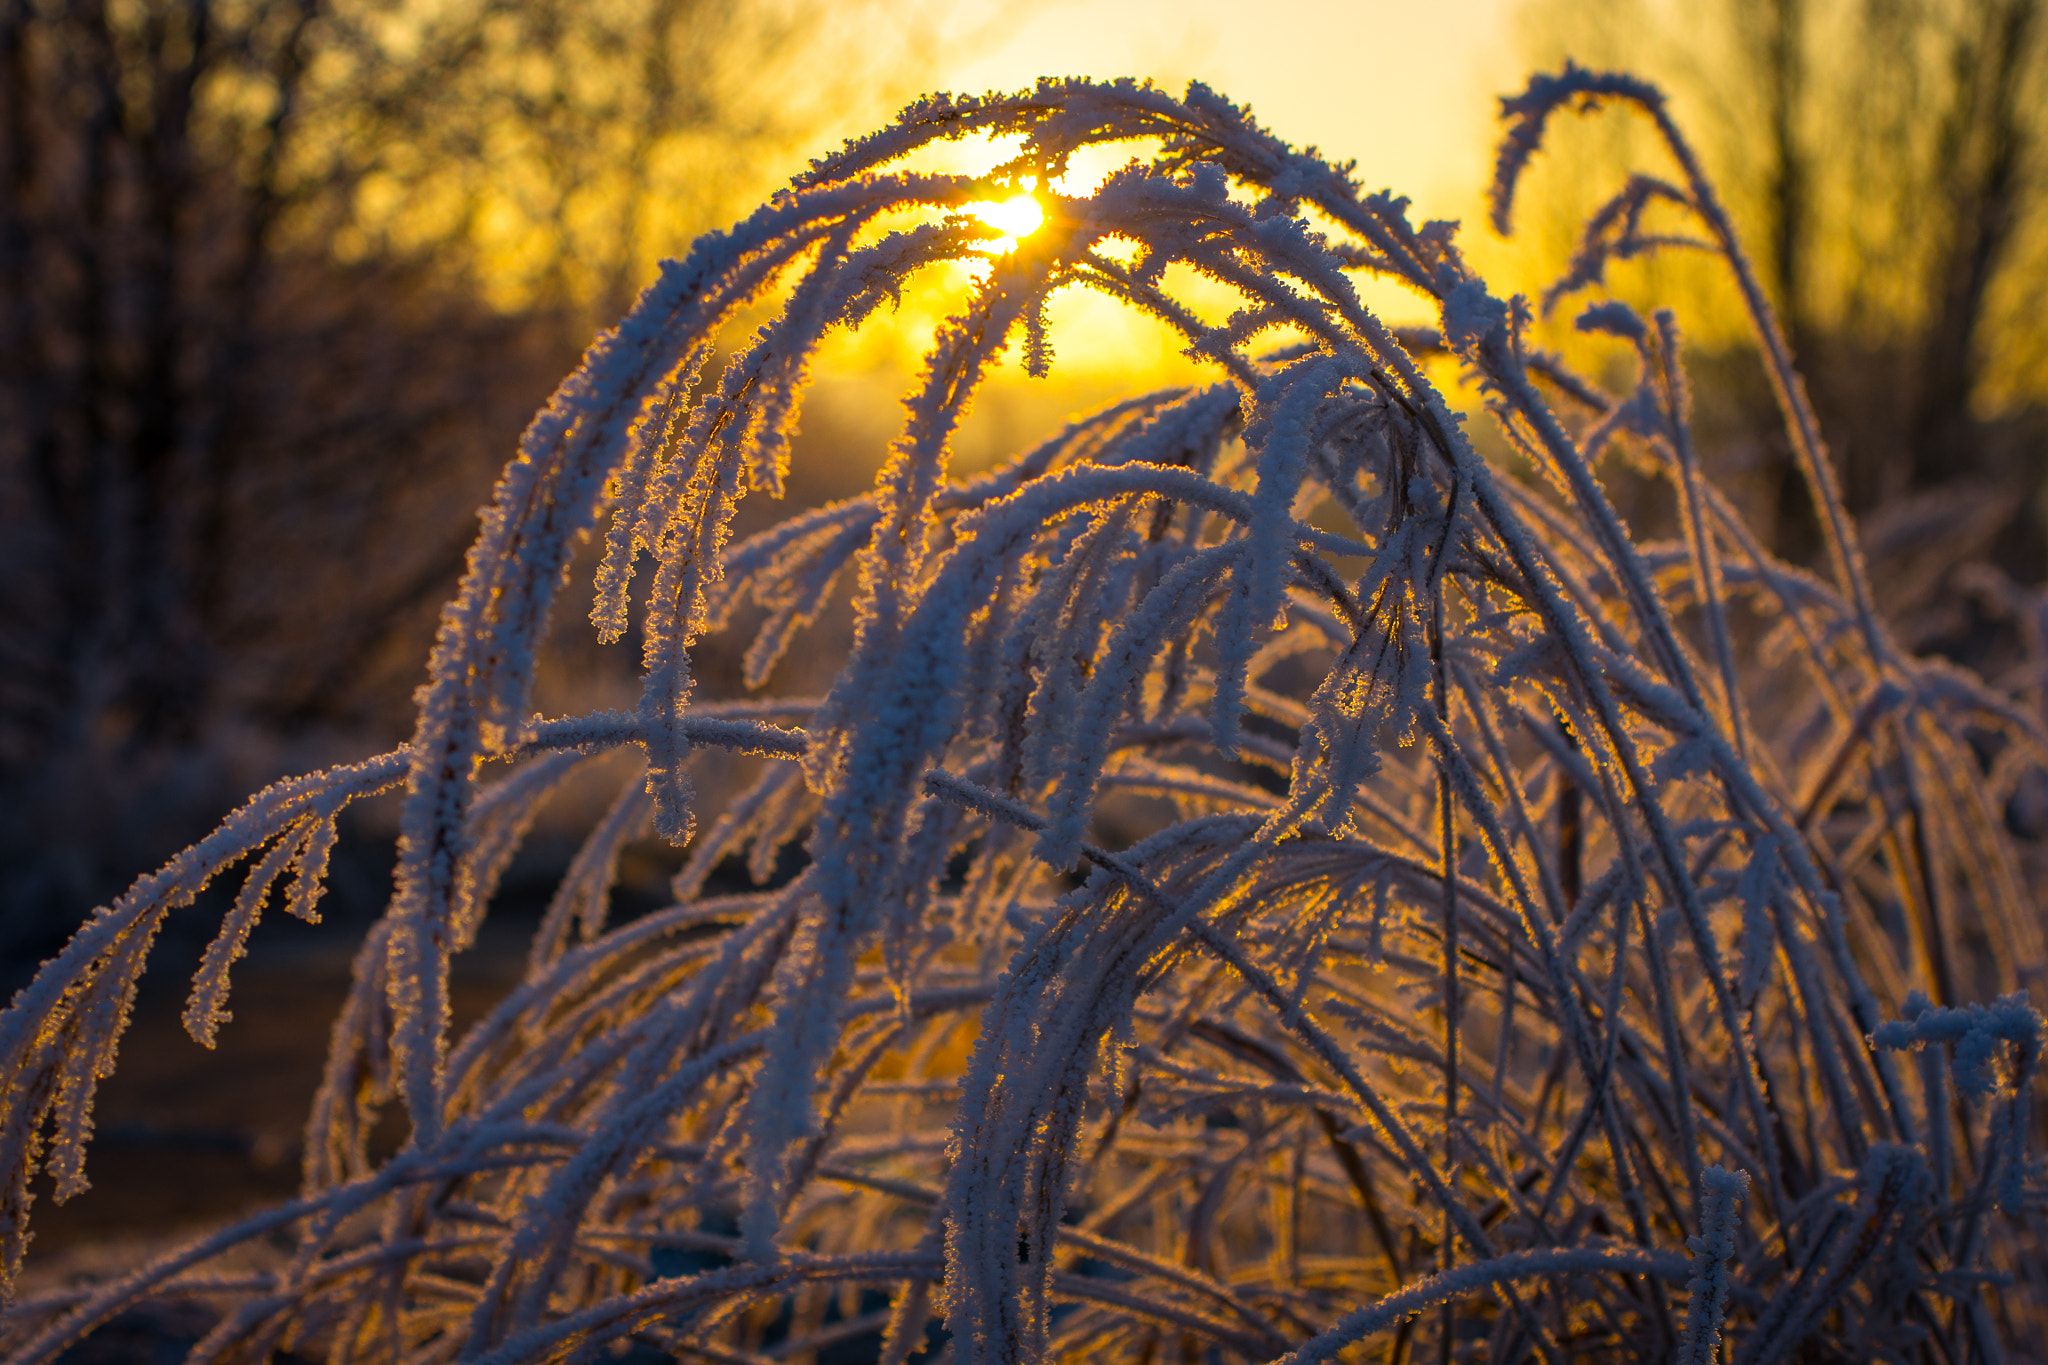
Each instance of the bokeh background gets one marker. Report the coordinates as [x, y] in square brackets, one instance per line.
[281, 281]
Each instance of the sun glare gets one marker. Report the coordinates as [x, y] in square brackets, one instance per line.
[1015, 218]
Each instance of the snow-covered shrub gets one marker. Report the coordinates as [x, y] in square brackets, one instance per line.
[1276, 880]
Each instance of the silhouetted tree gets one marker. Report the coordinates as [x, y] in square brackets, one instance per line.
[1887, 156]
[279, 280]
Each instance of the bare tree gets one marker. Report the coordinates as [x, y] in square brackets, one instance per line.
[277, 280]
[1887, 155]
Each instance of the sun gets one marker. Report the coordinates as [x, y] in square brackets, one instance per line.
[1015, 218]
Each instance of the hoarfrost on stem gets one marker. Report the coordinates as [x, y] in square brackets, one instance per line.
[1273, 873]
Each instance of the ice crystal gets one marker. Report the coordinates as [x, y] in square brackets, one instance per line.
[1272, 873]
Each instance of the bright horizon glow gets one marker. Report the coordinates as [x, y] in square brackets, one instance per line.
[1409, 93]
[1016, 218]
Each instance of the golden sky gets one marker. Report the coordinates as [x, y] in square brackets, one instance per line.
[1405, 88]
[1407, 91]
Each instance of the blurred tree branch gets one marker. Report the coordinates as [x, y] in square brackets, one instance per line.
[279, 282]
[1888, 155]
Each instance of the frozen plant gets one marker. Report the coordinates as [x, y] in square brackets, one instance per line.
[1279, 883]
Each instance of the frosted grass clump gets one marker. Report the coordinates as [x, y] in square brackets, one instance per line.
[1279, 884]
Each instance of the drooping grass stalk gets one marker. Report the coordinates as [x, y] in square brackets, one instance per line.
[1255, 847]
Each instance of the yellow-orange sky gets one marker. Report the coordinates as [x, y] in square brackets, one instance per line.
[1406, 91]
[1405, 88]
